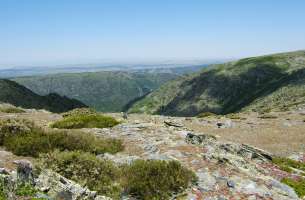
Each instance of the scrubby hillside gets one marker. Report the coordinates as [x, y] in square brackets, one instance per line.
[13, 93]
[104, 91]
[274, 82]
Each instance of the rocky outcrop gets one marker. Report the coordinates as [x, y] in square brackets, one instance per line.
[58, 187]
[225, 170]
[50, 184]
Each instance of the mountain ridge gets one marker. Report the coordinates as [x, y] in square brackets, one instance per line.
[18, 95]
[104, 91]
[232, 87]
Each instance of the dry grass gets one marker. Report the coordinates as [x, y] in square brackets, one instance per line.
[276, 135]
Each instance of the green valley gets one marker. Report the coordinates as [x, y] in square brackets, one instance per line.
[107, 91]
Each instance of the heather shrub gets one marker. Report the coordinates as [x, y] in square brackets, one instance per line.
[206, 114]
[85, 121]
[12, 127]
[2, 194]
[144, 179]
[86, 169]
[286, 164]
[11, 109]
[40, 141]
[156, 179]
[267, 116]
[79, 111]
[297, 185]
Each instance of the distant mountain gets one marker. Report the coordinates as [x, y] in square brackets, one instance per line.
[266, 83]
[43, 70]
[13, 93]
[107, 91]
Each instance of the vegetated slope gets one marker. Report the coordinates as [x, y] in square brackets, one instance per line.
[13, 93]
[274, 82]
[104, 91]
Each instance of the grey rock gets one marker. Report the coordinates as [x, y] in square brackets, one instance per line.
[24, 171]
[206, 181]
[119, 159]
[62, 188]
[230, 183]
[285, 188]
[150, 148]
[159, 157]
[173, 123]
[225, 124]
[198, 139]
[300, 157]
[4, 171]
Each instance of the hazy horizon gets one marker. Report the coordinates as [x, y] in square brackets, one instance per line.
[67, 32]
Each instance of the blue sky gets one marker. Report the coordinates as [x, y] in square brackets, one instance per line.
[49, 32]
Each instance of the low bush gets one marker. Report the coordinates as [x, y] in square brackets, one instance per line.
[2, 194]
[85, 121]
[267, 116]
[23, 138]
[8, 108]
[10, 127]
[155, 179]
[39, 141]
[22, 191]
[235, 116]
[206, 114]
[145, 179]
[79, 111]
[297, 185]
[286, 164]
[11, 110]
[25, 190]
[86, 169]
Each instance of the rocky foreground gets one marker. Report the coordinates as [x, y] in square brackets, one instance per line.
[225, 170]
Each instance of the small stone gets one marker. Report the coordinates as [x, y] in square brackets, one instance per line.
[231, 184]
[4, 171]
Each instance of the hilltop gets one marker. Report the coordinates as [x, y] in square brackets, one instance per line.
[18, 95]
[142, 157]
[106, 91]
[263, 84]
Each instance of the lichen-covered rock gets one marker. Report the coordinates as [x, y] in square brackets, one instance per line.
[58, 187]
[198, 139]
[24, 171]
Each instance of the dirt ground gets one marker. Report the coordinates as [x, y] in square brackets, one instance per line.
[280, 133]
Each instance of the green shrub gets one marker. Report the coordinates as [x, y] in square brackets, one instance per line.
[206, 114]
[286, 164]
[39, 141]
[26, 190]
[267, 116]
[11, 109]
[79, 111]
[10, 127]
[297, 185]
[235, 116]
[155, 179]
[86, 169]
[22, 191]
[2, 194]
[150, 179]
[85, 121]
